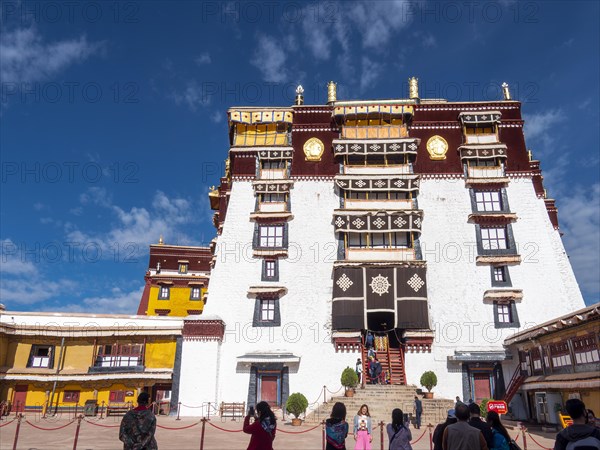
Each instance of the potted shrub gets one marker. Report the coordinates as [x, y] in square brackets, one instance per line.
[349, 380]
[428, 381]
[483, 407]
[296, 404]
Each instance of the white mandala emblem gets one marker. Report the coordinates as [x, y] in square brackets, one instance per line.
[356, 147]
[399, 183]
[360, 183]
[344, 282]
[379, 222]
[413, 146]
[380, 183]
[380, 285]
[358, 223]
[400, 222]
[395, 147]
[339, 222]
[415, 282]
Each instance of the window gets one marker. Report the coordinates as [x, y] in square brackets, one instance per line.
[559, 354]
[487, 201]
[270, 270]
[270, 236]
[71, 397]
[479, 162]
[479, 130]
[116, 397]
[195, 293]
[164, 292]
[493, 238]
[357, 240]
[116, 355]
[266, 313]
[273, 164]
[183, 267]
[505, 315]
[41, 356]
[536, 357]
[585, 349]
[500, 276]
[273, 198]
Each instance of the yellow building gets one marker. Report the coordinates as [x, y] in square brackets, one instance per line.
[176, 281]
[52, 362]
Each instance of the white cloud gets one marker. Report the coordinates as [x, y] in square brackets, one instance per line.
[204, 58]
[270, 58]
[14, 259]
[192, 96]
[217, 116]
[371, 70]
[117, 302]
[539, 127]
[377, 22]
[579, 216]
[25, 57]
[317, 39]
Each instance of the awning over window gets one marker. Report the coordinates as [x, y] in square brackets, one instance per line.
[479, 117]
[488, 151]
[379, 298]
[377, 222]
[373, 109]
[249, 116]
[270, 291]
[265, 357]
[272, 186]
[375, 147]
[377, 182]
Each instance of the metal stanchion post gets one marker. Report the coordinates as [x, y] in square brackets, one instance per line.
[208, 410]
[324, 395]
[524, 438]
[430, 437]
[381, 433]
[77, 432]
[178, 410]
[323, 434]
[202, 435]
[102, 410]
[19, 417]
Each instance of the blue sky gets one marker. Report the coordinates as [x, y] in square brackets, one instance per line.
[113, 116]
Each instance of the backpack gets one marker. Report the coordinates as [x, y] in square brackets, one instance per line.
[587, 443]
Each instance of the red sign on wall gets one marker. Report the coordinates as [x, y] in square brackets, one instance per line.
[497, 405]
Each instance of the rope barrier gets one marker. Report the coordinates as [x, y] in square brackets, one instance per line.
[223, 429]
[334, 392]
[420, 437]
[540, 445]
[192, 407]
[179, 428]
[100, 425]
[48, 429]
[8, 423]
[299, 432]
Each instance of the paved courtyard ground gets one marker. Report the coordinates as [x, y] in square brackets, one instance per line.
[104, 434]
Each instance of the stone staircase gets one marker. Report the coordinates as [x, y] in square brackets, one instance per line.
[382, 399]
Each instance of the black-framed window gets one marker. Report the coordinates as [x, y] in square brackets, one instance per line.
[495, 240]
[183, 267]
[266, 313]
[270, 270]
[505, 315]
[489, 200]
[41, 357]
[71, 396]
[195, 293]
[164, 292]
[271, 235]
[585, 349]
[273, 197]
[560, 354]
[500, 276]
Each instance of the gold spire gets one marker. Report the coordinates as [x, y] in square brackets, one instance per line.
[160, 240]
[413, 88]
[227, 168]
[530, 154]
[331, 92]
[505, 91]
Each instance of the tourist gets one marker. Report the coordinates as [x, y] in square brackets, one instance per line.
[398, 434]
[263, 429]
[458, 402]
[579, 434]
[138, 426]
[418, 410]
[376, 370]
[369, 340]
[592, 420]
[475, 421]
[336, 428]
[358, 369]
[362, 429]
[461, 435]
[371, 369]
[500, 437]
[438, 433]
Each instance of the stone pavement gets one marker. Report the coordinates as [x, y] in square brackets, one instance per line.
[95, 436]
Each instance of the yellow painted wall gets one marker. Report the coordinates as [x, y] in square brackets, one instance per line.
[3, 349]
[160, 354]
[77, 355]
[19, 353]
[179, 301]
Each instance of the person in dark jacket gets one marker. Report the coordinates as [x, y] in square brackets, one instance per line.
[580, 430]
[500, 436]
[438, 433]
[376, 370]
[263, 429]
[418, 408]
[138, 426]
[336, 428]
[475, 421]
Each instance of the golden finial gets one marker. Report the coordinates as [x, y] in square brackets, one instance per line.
[413, 88]
[545, 193]
[331, 92]
[160, 240]
[299, 95]
[530, 154]
[227, 167]
[505, 91]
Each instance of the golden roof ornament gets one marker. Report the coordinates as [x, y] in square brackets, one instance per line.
[227, 167]
[161, 240]
[413, 88]
[299, 95]
[313, 149]
[331, 92]
[437, 147]
[505, 91]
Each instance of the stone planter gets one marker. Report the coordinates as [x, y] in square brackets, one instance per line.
[349, 393]
[296, 422]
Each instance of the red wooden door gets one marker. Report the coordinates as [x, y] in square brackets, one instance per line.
[482, 386]
[19, 398]
[268, 390]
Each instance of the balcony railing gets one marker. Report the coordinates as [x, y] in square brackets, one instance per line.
[361, 203]
[395, 169]
[485, 172]
[481, 138]
[117, 364]
[375, 132]
[380, 254]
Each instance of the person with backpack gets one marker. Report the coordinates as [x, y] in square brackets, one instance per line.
[580, 435]
[500, 437]
[138, 426]
[263, 429]
[439, 430]
[336, 428]
[398, 434]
